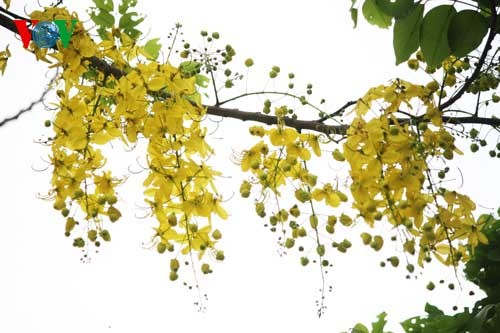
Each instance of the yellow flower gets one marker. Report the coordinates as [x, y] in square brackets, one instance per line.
[282, 136]
[4, 57]
[328, 194]
[313, 142]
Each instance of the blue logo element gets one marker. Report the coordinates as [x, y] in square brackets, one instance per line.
[45, 34]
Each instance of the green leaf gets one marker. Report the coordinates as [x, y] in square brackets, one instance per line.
[434, 34]
[103, 19]
[354, 13]
[375, 16]
[354, 16]
[126, 5]
[397, 8]
[378, 326]
[407, 34]
[467, 30]
[152, 49]
[360, 328]
[104, 5]
[189, 68]
[128, 24]
[432, 310]
[202, 80]
[477, 322]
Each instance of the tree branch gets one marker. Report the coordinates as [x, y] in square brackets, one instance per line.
[480, 63]
[312, 125]
[29, 107]
[6, 21]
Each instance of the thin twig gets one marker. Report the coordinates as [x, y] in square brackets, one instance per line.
[31, 106]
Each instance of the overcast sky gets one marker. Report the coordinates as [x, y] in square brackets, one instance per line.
[125, 288]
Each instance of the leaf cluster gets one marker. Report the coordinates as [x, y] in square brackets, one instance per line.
[439, 32]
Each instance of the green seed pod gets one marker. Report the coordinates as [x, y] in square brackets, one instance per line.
[92, 235]
[65, 212]
[249, 62]
[216, 234]
[205, 268]
[59, 204]
[448, 154]
[432, 86]
[105, 235]
[394, 261]
[172, 219]
[320, 249]
[283, 215]
[70, 224]
[413, 64]
[78, 194]
[220, 255]
[161, 247]
[101, 200]
[394, 130]
[294, 211]
[304, 261]
[366, 238]
[346, 243]
[114, 214]
[422, 126]
[377, 243]
[302, 195]
[112, 199]
[332, 219]
[260, 209]
[342, 196]
[338, 156]
[311, 180]
[173, 276]
[174, 265]
[345, 220]
[313, 221]
[78, 242]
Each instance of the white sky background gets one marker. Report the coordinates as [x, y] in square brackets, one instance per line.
[125, 288]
